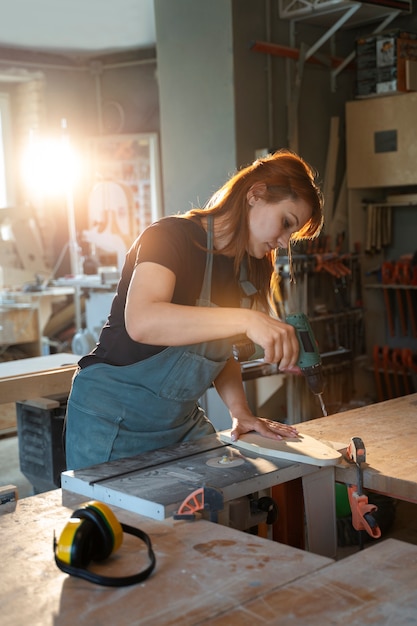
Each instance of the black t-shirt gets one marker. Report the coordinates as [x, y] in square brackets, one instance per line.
[178, 244]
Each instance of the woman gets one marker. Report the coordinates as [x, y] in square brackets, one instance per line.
[190, 286]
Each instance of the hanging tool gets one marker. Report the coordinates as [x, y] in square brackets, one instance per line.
[378, 372]
[396, 368]
[309, 359]
[387, 271]
[404, 277]
[386, 364]
[399, 295]
[408, 367]
[362, 518]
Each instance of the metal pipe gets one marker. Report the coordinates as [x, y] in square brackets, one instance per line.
[74, 68]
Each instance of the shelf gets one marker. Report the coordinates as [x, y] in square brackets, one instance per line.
[390, 286]
[322, 12]
[334, 15]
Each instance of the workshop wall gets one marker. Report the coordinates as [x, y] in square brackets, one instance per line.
[254, 83]
[195, 75]
[214, 101]
[220, 105]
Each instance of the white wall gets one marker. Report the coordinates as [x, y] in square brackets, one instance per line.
[6, 153]
[196, 92]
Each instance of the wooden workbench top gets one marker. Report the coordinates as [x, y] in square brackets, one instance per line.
[373, 586]
[389, 432]
[205, 574]
[23, 379]
[202, 570]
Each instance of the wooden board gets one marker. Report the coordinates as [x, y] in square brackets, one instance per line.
[203, 570]
[8, 420]
[304, 448]
[365, 120]
[19, 324]
[37, 376]
[205, 574]
[389, 432]
[374, 586]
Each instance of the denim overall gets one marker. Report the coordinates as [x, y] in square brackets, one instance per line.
[120, 411]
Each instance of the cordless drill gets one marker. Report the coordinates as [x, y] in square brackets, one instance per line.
[309, 359]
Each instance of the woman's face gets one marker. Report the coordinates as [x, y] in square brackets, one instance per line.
[272, 224]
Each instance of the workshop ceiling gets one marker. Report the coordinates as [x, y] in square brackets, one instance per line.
[79, 26]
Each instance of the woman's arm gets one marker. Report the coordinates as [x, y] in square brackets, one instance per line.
[230, 388]
[152, 318]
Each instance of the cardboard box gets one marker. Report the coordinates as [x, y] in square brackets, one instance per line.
[386, 63]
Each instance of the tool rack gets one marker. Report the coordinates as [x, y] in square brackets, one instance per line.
[382, 206]
[327, 289]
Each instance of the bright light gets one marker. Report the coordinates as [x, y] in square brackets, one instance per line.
[50, 165]
[3, 194]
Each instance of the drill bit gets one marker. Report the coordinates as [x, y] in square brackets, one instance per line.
[323, 408]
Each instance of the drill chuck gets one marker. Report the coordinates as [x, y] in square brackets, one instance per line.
[314, 377]
[309, 360]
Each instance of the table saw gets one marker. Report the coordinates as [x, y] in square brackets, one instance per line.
[157, 483]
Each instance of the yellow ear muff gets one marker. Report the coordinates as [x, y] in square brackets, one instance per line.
[69, 538]
[110, 520]
[93, 533]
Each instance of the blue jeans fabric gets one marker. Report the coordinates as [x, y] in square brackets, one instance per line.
[115, 412]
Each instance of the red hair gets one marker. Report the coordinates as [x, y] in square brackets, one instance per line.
[278, 176]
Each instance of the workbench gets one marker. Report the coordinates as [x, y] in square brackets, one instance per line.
[25, 314]
[389, 431]
[157, 483]
[205, 574]
[374, 586]
[36, 376]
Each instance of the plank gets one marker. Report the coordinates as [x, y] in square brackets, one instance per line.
[37, 376]
[374, 586]
[389, 432]
[36, 364]
[202, 570]
[303, 449]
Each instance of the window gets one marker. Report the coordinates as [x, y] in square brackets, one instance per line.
[6, 195]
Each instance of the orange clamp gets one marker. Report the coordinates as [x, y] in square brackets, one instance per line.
[361, 511]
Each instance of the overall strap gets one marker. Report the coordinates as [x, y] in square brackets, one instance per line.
[247, 288]
[205, 295]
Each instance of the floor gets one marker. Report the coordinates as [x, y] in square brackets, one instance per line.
[404, 526]
[10, 473]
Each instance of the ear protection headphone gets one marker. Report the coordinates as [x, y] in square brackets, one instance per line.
[94, 533]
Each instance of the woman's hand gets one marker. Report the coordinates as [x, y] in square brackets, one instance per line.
[278, 339]
[246, 422]
[152, 318]
[230, 388]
